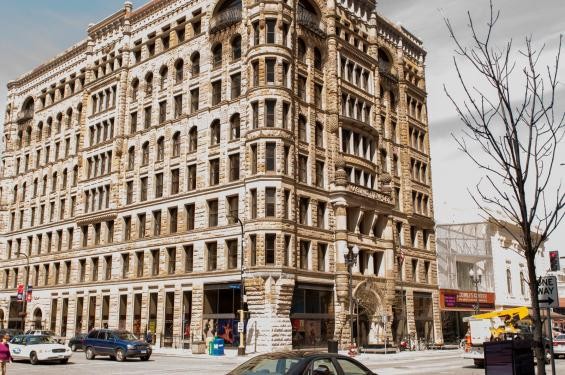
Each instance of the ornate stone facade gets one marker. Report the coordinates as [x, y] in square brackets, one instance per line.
[130, 158]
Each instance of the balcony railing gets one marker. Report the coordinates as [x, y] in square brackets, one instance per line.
[225, 19]
[311, 21]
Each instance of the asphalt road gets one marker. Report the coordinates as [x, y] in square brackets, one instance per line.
[423, 363]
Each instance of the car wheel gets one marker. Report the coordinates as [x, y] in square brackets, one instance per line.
[120, 355]
[33, 358]
[64, 361]
[74, 347]
[145, 358]
[479, 363]
[89, 352]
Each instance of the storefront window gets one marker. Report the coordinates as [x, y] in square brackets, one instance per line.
[221, 303]
[312, 315]
[423, 316]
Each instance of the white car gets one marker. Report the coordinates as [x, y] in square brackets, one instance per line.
[559, 345]
[38, 348]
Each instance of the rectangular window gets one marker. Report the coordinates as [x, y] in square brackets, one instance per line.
[270, 201]
[304, 254]
[270, 156]
[125, 266]
[173, 216]
[109, 231]
[270, 113]
[172, 260]
[178, 106]
[322, 251]
[234, 167]
[188, 258]
[194, 99]
[253, 203]
[155, 255]
[233, 209]
[253, 159]
[140, 262]
[302, 87]
[127, 228]
[318, 95]
[213, 213]
[270, 241]
[321, 215]
[236, 86]
[216, 92]
[231, 253]
[157, 223]
[147, 117]
[212, 250]
[108, 267]
[271, 30]
[142, 223]
[190, 214]
[255, 115]
[303, 168]
[214, 172]
[143, 189]
[255, 68]
[285, 74]
[82, 270]
[270, 71]
[94, 269]
[320, 174]
[253, 250]
[286, 204]
[304, 207]
[162, 112]
[129, 192]
[191, 175]
[175, 180]
[158, 185]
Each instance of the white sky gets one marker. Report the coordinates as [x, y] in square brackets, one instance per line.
[36, 30]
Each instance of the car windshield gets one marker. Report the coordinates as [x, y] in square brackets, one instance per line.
[35, 340]
[267, 366]
[125, 335]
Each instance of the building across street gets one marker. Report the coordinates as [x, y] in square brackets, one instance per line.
[188, 159]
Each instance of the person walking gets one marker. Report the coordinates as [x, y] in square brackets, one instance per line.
[5, 355]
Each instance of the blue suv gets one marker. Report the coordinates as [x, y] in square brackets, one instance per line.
[116, 344]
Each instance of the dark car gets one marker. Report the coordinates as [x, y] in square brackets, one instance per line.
[116, 344]
[301, 363]
[77, 342]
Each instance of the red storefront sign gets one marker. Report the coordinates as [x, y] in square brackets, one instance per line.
[463, 299]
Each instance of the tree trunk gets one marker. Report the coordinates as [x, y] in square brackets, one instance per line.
[537, 326]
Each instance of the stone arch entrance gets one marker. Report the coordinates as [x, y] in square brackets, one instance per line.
[37, 318]
[371, 321]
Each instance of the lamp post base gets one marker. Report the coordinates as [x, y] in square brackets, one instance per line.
[241, 351]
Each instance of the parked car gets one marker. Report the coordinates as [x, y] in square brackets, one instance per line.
[301, 363]
[40, 332]
[559, 346]
[116, 344]
[37, 348]
[77, 342]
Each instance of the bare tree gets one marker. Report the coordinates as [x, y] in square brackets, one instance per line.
[512, 132]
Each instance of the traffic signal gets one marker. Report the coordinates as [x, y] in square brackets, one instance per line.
[554, 261]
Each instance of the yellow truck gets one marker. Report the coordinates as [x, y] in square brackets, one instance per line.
[491, 326]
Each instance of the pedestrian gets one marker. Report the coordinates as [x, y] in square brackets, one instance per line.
[5, 355]
[149, 337]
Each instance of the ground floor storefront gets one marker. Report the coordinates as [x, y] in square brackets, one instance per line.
[283, 312]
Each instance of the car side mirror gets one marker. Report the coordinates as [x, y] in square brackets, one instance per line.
[322, 370]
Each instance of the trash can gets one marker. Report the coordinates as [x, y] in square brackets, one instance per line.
[217, 347]
[332, 346]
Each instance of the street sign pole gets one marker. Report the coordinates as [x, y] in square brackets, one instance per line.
[550, 332]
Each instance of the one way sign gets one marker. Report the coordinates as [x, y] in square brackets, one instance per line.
[547, 292]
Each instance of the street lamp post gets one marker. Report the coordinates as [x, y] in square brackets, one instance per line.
[241, 347]
[24, 297]
[350, 259]
[476, 277]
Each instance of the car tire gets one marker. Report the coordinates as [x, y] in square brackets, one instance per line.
[64, 361]
[33, 358]
[74, 347]
[145, 358]
[479, 363]
[89, 353]
[120, 355]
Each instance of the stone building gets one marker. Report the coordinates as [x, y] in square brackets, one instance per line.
[132, 158]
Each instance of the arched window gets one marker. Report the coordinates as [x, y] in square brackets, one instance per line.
[235, 124]
[65, 176]
[236, 47]
[522, 283]
[15, 196]
[134, 88]
[195, 64]
[35, 185]
[69, 118]
[24, 188]
[192, 139]
[79, 112]
[131, 158]
[161, 149]
[59, 121]
[40, 130]
[145, 154]
[75, 175]
[384, 61]
[28, 136]
[215, 133]
[317, 59]
[302, 128]
[54, 182]
[301, 47]
[149, 83]
[217, 56]
[163, 72]
[508, 281]
[176, 144]
[319, 134]
[179, 71]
